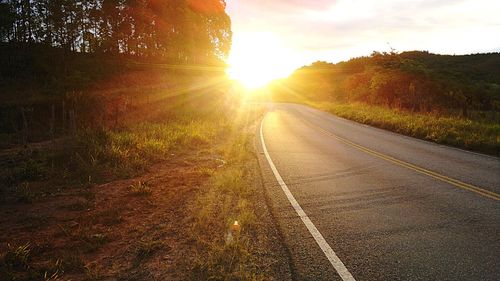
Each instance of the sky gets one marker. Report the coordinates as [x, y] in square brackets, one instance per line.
[293, 33]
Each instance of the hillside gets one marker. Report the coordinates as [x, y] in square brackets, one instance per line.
[415, 81]
[123, 154]
[452, 100]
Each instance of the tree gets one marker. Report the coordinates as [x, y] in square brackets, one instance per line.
[7, 20]
[177, 31]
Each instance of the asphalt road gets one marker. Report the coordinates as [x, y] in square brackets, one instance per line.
[390, 207]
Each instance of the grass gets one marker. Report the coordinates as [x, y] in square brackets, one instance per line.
[18, 257]
[478, 134]
[92, 272]
[223, 252]
[140, 189]
[145, 249]
[129, 151]
[209, 126]
[124, 143]
[16, 264]
[105, 154]
[51, 277]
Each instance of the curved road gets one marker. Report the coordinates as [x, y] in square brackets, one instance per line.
[378, 205]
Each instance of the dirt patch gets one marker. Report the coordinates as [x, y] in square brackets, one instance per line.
[106, 232]
[170, 223]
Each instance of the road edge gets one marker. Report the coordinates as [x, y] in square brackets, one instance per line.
[268, 210]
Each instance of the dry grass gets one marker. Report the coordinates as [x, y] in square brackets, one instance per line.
[203, 148]
[226, 252]
[479, 134]
[140, 188]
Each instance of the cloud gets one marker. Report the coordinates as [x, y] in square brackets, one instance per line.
[360, 26]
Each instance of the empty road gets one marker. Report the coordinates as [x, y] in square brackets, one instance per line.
[358, 203]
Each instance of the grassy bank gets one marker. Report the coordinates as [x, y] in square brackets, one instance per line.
[479, 133]
[80, 179]
[102, 154]
[226, 250]
[165, 187]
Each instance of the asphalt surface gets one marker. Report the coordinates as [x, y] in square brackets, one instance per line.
[383, 219]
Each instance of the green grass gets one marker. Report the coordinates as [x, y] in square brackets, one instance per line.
[106, 154]
[224, 253]
[478, 134]
[213, 124]
[128, 151]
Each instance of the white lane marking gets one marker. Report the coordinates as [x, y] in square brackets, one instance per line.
[329, 253]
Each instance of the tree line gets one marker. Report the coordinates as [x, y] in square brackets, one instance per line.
[79, 60]
[177, 31]
[416, 81]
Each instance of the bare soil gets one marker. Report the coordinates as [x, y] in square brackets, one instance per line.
[107, 231]
[110, 232]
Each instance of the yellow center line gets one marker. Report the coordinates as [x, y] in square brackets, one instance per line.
[457, 183]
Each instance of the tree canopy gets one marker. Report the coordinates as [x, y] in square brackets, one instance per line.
[177, 31]
[418, 81]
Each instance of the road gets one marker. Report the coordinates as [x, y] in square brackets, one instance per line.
[378, 205]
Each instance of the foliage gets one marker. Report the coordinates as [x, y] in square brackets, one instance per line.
[52, 48]
[221, 129]
[226, 253]
[477, 133]
[453, 100]
[102, 154]
[415, 81]
[181, 30]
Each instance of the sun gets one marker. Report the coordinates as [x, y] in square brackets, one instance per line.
[258, 58]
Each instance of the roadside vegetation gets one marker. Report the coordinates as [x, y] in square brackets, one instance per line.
[452, 100]
[226, 219]
[128, 159]
[478, 132]
[115, 202]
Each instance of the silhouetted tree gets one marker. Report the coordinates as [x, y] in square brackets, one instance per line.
[181, 31]
[7, 20]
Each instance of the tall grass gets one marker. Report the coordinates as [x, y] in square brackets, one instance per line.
[130, 150]
[215, 124]
[224, 253]
[478, 134]
[106, 153]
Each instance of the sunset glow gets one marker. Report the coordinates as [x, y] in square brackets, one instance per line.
[258, 58]
[337, 30]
